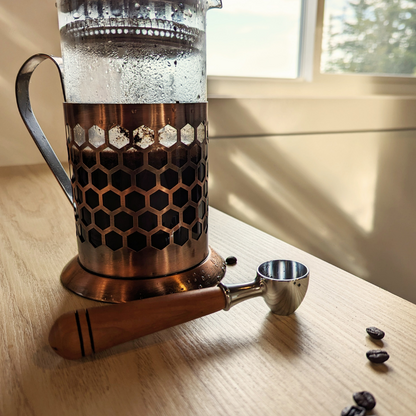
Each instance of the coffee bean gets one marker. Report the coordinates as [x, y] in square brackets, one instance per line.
[375, 332]
[364, 399]
[377, 356]
[231, 261]
[353, 411]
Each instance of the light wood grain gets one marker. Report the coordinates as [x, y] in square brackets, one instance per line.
[243, 362]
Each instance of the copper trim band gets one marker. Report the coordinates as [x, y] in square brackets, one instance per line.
[139, 179]
[208, 273]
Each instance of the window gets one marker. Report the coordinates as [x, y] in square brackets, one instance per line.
[258, 38]
[315, 101]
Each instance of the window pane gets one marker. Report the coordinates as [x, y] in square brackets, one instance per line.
[256, 38]
[369, 36]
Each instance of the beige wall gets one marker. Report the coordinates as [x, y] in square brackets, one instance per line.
[27, 28]
[347, 198]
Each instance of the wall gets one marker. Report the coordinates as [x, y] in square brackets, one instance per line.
[349, 199]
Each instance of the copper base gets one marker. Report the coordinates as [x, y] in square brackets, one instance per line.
[115, 290]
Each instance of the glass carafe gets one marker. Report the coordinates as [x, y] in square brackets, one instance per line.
[134, 51]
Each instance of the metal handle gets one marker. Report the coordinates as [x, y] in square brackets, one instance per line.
[25, 109]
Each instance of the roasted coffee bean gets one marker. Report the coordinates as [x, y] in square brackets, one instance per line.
[364, 399]
[231, 261]
[377, 356]
[353, 411]
[375, 332]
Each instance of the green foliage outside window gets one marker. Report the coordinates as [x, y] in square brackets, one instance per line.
[372, 36]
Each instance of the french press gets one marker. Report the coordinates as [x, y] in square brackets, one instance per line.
[134, 83]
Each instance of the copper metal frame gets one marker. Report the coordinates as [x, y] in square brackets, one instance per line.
[139, 179]
[138, 185]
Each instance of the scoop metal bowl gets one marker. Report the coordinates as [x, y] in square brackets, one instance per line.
[282, 283]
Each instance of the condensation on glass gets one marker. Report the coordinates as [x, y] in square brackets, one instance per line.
[134, 52]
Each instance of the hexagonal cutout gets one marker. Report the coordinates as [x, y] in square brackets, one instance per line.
[91, 198]
[179, 156]
[201, 210]
[82, 176]
[197, 231]
[189, 215]
[195, 153]
[111, 200]
[79, 135]
[188, 176]
[159, 200]
[201, 172]
[196, 193]
[123, 221]
[160, 240]
[148, 221]
[113, 240]
[94, 237]
[89, 158]
[146, 180]
[102, 219]
[68, 133]
[206, 225]
[81, 233]
[169, 178]
[71, 172]
[181, 236]
[109, 158]
[180, 197]
[136, 241]
[170, 219]
[96, 136]
[121, 180]
[85, 216]
[99, 179]
[78, 195]
[205, 189]
[75, 156]
[143, 137]
[157, 159]
[187, 134]
[118, 137]
[135, 201]
[200, 132]
[168, 136]
[133, 159]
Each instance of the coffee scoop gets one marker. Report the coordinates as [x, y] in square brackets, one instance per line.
[281, 283]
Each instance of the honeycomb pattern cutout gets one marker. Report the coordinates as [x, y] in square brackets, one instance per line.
[79, 135]
[187, 134]
[200, 132]
[118, 137]
[96, 136]
[143, 137]
[131, 193]
[168, 136]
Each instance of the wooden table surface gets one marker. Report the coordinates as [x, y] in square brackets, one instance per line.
[246, 361]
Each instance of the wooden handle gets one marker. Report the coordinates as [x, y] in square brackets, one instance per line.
[86, 331]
